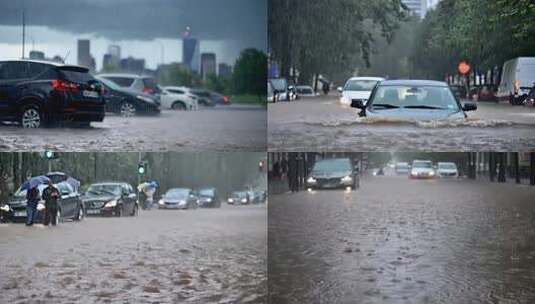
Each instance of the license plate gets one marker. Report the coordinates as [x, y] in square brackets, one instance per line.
[92, 94]
[20, 213]
[93, 211]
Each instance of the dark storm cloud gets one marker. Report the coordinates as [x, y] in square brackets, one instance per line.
[241, 20]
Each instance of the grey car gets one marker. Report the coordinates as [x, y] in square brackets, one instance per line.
[413, 100]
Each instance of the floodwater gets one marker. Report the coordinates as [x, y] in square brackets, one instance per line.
[404, 241]
[223, 128]
[323, 124]
[161, 256]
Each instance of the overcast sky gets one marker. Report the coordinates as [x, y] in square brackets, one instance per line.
[143, 28]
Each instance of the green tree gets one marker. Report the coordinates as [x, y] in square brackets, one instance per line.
[250, 73]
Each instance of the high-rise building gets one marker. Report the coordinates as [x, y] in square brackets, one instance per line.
[132, 65]
[84, 56]
[224, 70]
[190, 53]
[208, 65]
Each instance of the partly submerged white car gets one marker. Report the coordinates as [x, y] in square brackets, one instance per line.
[178, 98]
[447, 169]
[358, 88]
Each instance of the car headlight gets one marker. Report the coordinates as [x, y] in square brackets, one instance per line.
[431, 173]
[182, 202]
[244, 200]
[311, 180]
[230, 200]
[40, 206]
[161, 202]
[347, 179]
[145, 99]
[5, 208]
[414, 173]
[111, 203]
[209, 200]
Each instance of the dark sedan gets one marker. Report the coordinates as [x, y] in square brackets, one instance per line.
[179, 198]
[413, 100]
[69, 205]
[208, 198]
[127, 102]
[333, 174]
[239, 198]
[111, 199]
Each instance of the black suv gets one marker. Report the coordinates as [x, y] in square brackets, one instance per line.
[38, 93]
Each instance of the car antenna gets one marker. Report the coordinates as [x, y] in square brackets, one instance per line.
[66, 55]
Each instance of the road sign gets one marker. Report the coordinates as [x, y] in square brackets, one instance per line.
[464, 68]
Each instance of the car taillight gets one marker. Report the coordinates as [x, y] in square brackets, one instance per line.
[65, 86]
[225, 99]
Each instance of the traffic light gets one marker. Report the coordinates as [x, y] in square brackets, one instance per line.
[49, 155]
[142, 168]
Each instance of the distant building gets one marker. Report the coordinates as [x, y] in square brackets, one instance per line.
[208, 65]
[132, 65]
[224, 70]
[84, 56]
[37, 55]
[416, 7]
[190, 53]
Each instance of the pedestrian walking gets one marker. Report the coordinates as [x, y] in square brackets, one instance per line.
[32, 198]
[284, 168]
[50, 196]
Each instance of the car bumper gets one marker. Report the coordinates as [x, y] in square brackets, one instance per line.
[15, 217]
[172, 206]
[101, 211]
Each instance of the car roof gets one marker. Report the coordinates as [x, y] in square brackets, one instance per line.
[109, 183]
[124, 75]
[446, 163]
[367, 78]
[422, 160]
[52, 63]
[174, 189]
[413, 82]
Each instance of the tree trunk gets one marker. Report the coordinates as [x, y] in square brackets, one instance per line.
[501, 169]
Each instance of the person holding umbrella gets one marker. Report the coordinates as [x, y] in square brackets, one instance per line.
[32, 196]
[50, 196]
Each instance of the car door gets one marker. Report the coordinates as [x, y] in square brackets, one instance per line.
[131, 198]
[11, 74]
[67, 200]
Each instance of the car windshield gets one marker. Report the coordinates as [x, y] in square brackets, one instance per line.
[109, 83]
[425, 97]
[177, 193]
[22, 193]
[447, 166]
[239, 194]
[360, 85]
[100, 189]
[206, 192]
[332, 165]
[422, 164]
[279, 84]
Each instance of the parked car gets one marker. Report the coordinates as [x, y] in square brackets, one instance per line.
[179, 198]
[69, 205]
[402, 168]
[333, 173]
[358, 88]
[530, 99]
[127, 102]
[208, 198]
[447, 169]
[111, 199]
[219, 99]
[305, 91]
[260, 196]
[38, 93]
[422, 169]
[518, 76]
[281, 90]
[179, 98]
[413, 100]
[239, 198]
[58, 177]
[136, 83]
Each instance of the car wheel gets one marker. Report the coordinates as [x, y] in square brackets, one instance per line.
[80, 215]
[119, 212]
[31, 117]
[178, 106]
[127, 109]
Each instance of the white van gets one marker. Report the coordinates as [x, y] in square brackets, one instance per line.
[521, 69]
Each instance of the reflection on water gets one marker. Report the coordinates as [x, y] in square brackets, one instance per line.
[447, 241]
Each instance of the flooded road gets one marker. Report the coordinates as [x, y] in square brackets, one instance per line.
[402, 241]
[323, 124]
[167, 256]
[223, 128]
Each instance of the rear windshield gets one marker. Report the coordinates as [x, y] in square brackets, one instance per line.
[122, 81]
[76, 76]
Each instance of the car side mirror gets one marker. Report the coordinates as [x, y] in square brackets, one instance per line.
[340, 90]
[357, 103]
[469, 106]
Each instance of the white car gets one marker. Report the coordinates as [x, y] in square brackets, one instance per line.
[305, 91]
[358, 88]
[422, 169]
[178, 98]
[446, 169]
